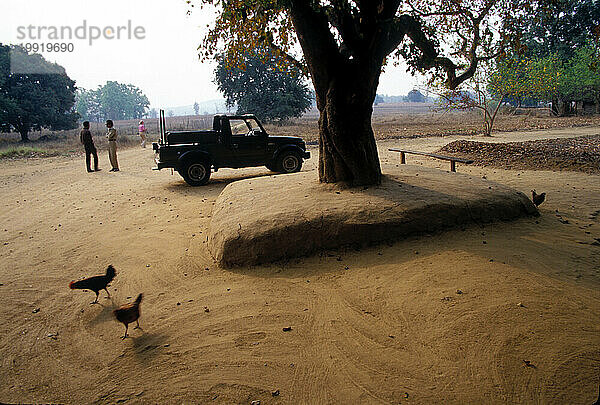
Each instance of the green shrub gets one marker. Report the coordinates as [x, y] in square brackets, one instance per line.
[16, 152]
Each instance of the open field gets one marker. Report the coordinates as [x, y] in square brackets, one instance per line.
[398, 121]
[498, 313]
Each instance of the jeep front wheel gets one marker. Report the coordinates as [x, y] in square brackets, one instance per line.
[289, 162]
[196, 173]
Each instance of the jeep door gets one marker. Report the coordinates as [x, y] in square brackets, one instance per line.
[223, 153]
[248, 142]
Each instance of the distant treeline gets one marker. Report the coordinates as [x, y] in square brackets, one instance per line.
[413, 96]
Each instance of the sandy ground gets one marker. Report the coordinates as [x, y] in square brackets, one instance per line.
[501, 313]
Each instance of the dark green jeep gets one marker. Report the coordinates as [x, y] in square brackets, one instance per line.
[235, 141]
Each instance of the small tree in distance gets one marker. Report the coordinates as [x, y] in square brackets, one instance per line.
[473, 97]
[489, 88]
[415, 96]
[196, 108]
[262, 86]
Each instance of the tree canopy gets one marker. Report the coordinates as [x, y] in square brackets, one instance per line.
[263, 87]
[561, 28]
[558, 59]
[32, 101]
[113, 100]
[344, 45]
[551, 78]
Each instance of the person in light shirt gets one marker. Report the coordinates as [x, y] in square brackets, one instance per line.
[112, 146]
[143, 132]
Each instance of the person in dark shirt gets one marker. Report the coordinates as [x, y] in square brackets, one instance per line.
[88, 143]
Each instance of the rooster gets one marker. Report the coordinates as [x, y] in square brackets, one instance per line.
[537, 198]
[128, 313]
[95, 283]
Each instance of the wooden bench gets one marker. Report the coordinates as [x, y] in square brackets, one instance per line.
[452, 160]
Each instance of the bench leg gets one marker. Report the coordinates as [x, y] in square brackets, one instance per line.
[452, 166]
[402, 158]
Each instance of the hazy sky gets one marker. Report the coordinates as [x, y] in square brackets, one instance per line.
[164, 64]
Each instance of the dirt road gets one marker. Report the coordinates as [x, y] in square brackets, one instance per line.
[501, 313]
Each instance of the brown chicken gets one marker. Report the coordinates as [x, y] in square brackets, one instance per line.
[537, 198]
[129, 313]
[95, 283]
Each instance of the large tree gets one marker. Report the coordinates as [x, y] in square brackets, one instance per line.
[562, 27]
[262, 86]
[584, 69]
[345, 44]
[113, 100]
[552, 78]
[552, 40]
[87, 104]
[32, 101]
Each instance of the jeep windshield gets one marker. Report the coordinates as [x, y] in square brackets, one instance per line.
[245, 127]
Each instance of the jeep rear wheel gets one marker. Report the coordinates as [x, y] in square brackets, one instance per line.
[289, 162]
[196, 173]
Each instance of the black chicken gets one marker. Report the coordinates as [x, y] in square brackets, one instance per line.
[537, 198]
[95, 283]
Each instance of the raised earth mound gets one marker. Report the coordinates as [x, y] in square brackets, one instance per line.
[279, 217]
[575, 154]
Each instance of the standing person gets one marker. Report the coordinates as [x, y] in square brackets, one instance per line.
[112, 146]
[142, 131]
[88, 143]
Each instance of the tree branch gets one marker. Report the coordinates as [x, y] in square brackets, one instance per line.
[268, 40]
[340, 16]
[390, 36]
[317, 41]
[431, 14]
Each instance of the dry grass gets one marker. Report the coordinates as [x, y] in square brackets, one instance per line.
[401, 120]
[412, 120]
[18, 152]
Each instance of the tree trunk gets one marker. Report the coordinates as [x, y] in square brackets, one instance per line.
[345, 78]
[493, 115]
[554, 107]
[347, 148]
[562, 108]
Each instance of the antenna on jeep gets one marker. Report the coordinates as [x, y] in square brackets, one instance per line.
[161, 121]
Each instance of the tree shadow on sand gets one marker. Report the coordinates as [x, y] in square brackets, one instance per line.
[217, 182]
